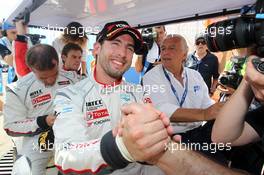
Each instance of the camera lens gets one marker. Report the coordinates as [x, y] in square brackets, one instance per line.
[231, 34]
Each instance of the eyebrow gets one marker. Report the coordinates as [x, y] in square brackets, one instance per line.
[130, 45]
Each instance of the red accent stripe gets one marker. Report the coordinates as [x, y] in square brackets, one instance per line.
[70, 170]
[13, 132]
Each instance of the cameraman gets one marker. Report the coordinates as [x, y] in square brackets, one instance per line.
[241, 127]
[146, 62]
[223, 130]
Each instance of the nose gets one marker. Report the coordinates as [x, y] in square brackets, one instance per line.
[122, 51]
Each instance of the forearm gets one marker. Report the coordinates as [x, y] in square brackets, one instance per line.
[188, 115]
[229, 122]
[214, 84]
[186, 162]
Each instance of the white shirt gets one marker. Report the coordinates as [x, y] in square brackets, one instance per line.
[165, 100]
[153, 53]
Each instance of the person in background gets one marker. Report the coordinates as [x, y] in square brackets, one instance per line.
[183, 95]
[33, 96]
[147, 61]
[73, 33]
[71, 56]
[204, 62]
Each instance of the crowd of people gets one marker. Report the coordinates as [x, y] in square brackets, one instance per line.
[97, 123]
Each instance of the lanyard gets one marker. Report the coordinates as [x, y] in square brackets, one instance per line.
[174, 90]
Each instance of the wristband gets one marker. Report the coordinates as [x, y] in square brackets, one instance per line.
[122, 148]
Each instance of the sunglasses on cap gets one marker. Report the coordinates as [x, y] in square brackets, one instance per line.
[203, 42]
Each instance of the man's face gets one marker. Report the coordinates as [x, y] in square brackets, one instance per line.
[114, 57]
[200, 45]
[172, 53]
[11, 34]
[72, 60]
[48, 77]
[160, 34]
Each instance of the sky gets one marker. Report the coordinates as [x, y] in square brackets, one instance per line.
[7, 7]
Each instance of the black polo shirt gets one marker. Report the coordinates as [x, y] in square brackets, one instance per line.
[208, 67]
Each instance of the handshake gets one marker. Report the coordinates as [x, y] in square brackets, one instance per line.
[141, 135]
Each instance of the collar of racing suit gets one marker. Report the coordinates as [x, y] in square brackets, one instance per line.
[117, 82]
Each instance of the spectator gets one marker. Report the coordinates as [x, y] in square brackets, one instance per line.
[183, 95]
[94, 105]
[148, 60]
[73, 33]
[204, 62]
[6, 53]
[28, 110]
[71, 56]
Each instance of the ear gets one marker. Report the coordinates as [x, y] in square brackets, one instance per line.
[97, 48]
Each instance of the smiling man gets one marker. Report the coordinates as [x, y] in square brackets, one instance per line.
[91, 108]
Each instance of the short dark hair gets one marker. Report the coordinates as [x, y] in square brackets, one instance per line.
[41, 57]
[70, 46]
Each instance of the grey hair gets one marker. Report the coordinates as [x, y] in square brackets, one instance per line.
[181, 38]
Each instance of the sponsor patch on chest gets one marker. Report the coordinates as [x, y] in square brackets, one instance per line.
[66, 82]
[96, 117]
[41, 100]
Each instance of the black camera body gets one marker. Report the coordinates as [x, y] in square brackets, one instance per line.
[148, 36]
[233, 77]
[35, 38]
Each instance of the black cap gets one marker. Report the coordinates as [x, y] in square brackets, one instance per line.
[114, 29]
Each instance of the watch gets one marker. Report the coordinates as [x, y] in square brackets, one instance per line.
[258, 64]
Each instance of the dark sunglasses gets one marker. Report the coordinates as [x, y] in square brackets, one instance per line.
[203, 42]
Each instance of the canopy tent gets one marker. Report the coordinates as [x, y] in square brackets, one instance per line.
[95, 13]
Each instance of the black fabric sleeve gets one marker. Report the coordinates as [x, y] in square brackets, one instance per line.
[255, 119]
[110, 152]
[41, 121]
[21, 38]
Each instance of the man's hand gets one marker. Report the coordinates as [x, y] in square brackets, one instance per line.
[21, 28]
[145, 131]
[255, 79]
[50, 119]
[211, 112]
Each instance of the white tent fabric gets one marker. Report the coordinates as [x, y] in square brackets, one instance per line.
[95, 13]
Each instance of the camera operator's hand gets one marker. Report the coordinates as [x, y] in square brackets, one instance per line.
[255, 79]
[145, 131]
[211, 112]
[21, 28]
